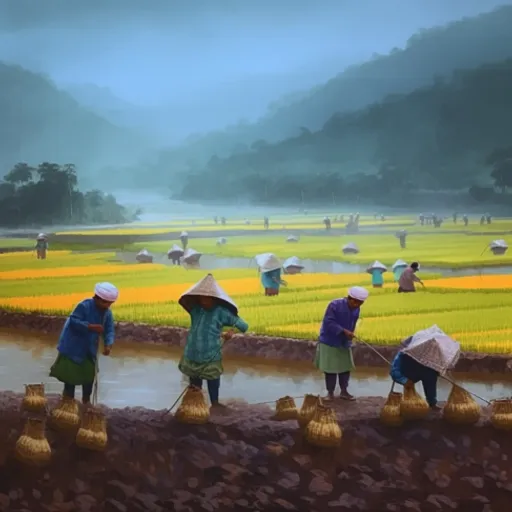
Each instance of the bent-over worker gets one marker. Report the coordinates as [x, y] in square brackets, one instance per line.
[334, 352]
[76, 364]
[408, 278]
[210, 309]
[404, 368]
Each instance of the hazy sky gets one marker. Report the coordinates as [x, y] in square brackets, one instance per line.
[154, 51]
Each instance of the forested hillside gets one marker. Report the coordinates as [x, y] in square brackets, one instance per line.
[435, 52]
[40, 123]
[436, 138]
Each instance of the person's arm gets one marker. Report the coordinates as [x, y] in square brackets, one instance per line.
[416, 279]
[78, 318]
[231, 320]
[430, 387]
[333, 327]
[109, 332]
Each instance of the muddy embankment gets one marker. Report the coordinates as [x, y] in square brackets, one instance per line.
[248, 345]
[242, 460]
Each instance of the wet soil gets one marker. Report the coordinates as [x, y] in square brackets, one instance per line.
[248, 345]
[242, 460]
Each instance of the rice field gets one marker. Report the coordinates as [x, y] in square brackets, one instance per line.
[443, 250]
[474, 310]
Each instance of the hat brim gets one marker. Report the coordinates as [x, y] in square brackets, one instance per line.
[187, 302]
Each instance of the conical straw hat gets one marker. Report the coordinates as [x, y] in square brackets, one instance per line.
[207, 287]
[293, 261]
[183, 233]
[434, 349]
[175, 249]
[268, 262]
[191, 252]
[41, 236]
[498, 243]
[399, 263]
[351, 246]
[144, 252]
[377, 265]
[292, 238]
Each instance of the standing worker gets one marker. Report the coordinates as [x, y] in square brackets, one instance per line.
[41, 246]
[266, 222]
[184, 240]
[210, 310]
[376, 270]
[465, 219]
[402, 237]
[334, 352]
[270, 270]
[76, 363]
[408, 278]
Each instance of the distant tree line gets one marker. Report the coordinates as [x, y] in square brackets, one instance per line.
[48, 195]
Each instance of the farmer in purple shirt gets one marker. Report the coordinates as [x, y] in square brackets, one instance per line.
[334, 353]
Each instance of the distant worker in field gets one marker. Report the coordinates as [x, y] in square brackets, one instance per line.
[402, 237]
[270, 271]
[210, 310]
[488, 218]
[76, 364]
[215, 220]
[223, 221]
[327, 223]
[482, 220]
[422, 219]
[266, 223]
[455, 216]
[184, 240]
[334, 352]
[41, 246]
[408, 278]
[465, 219]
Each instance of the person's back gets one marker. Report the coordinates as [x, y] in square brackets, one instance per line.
[407, 280]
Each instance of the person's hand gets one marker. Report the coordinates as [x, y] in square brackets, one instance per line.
[106, 351]
[226, 336]
[96, 328]
[348, 334]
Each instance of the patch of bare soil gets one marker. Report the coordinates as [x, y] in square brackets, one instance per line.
[242, 460]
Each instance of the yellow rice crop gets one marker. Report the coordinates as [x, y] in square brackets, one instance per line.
[474, 282]
[96, 270]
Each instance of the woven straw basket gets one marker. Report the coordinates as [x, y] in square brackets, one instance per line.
[66, 415]
[286, 409]
[307, 411]
[390, 413]
[32, 447]
[501, 415]
[34, 399]
[460, 408]
[413, 406]
[193, 408]
[323, 430]
[92, 434]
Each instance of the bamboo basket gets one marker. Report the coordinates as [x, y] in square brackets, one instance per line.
[32, 447]
[34, 399]
[390, 413]
[460, 408]
[193, 408]
[501, 415]
[413, 406]
[66, 415]
[286, 409]
[323, 430]
[307, 411]
[92, 434]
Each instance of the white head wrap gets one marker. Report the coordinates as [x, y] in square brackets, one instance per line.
[358, 293]
[106, 291]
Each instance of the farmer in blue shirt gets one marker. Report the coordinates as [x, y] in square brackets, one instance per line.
[79, 341]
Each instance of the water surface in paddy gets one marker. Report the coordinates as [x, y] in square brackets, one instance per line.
[211, 262]
[146, 375]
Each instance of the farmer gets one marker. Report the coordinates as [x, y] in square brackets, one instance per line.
[78, 343]
[405, 368]
[271, 275]
[266, 223]
[334, 353]
[210, 309]
[41, 246]
[184, 240]
[376, 270]
[402, 237]
[408, 278]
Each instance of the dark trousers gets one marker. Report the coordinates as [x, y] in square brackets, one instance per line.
[330, 381]
[213, 387]
[69, 391]
[416, 372]
[401, 290]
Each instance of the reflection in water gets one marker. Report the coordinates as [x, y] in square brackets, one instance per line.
[210, 262]
[146, 375]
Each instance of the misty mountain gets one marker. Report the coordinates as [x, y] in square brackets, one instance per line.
[434, 138]
[40, 123]
[430, 54]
